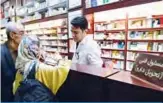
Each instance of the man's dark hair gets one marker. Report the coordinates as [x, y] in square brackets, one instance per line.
[80, 22]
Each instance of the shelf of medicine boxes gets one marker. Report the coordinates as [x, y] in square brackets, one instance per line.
[118, 55]
[103, 57]
[115, 5]
[145, 51]
[55, 50]
[60, 45]
[48, 8]
[145, 24]
[113, 63]
[137, 40]
[45, 9]
[59, 16]
[131, 56]
[110, 38]
[113, 51]
[45, 6]
[53, 38]
[53, 44]
[147, 30]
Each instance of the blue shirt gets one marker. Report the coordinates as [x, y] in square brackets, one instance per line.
[8, 72]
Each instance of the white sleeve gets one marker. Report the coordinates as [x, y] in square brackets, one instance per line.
[94, 55]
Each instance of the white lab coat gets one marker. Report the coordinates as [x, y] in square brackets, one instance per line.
[87, 53]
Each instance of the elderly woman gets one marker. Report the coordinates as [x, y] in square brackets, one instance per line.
[29, 54]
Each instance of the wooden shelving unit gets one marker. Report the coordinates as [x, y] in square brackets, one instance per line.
[146, 29]
[126, 30]
[112, 49]
[60, 16]
[130, 60]
[112, 58]
[110, 40]
[115, 5]
[91, 11]
[52, 42]
[115, 31]
[146, 40]
[145, 51]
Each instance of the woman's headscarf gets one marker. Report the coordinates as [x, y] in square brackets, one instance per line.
[28, 52]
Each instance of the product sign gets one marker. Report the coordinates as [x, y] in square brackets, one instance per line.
[149, 68]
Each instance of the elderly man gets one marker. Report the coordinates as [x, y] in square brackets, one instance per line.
[14, 33]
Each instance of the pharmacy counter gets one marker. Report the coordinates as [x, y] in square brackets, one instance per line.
[83, 87]
[94, 70]
[127, 77]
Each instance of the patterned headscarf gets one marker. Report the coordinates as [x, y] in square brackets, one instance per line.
[28, 52]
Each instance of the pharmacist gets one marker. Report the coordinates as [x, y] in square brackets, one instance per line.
[87, 51]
